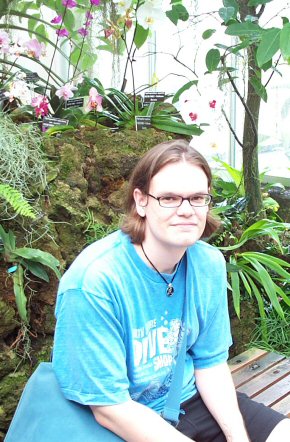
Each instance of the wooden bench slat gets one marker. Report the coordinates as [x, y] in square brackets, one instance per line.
[266, 379]
[245, 358]
[264, 376]
[274, 393]
[256, 367]
[283, 406]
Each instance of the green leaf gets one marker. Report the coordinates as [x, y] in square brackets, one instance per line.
[235, 284]
[259, 88]
[246, 29]
[36, 269]
[231, 3]
[285, 42]
[227, 13]
[267, 65]
[212, 59]
[208, 33]
[235, 174]
[32, 22]
[268, 46]
[178, 12]
[172, 126]
[140, 36]
[69, 20]
[267, 284]
[261, 228]
[275, 264]
[260, 306]
[258, 2]
[42, 37]
[16, 200]
[39, 256]
[20, 298]
[245, 282]
[185, 87]
[87, 59]
[8, 239]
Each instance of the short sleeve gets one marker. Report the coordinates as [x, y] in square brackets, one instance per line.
[89, 356]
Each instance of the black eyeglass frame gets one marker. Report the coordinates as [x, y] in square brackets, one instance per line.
[158, 198]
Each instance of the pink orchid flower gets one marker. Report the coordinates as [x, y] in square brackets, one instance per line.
[56, 20]
[95, 2]
[69, 3]
[193, 116]
[4, 42]
[95, 100]
[66, 91]
[89, 16]
[34, 48]
[62, 32]
[83, 32]
[40, 104]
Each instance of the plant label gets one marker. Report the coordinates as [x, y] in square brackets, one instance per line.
[74, 102]
[153, 97]
[51, 122]
[32, 77]
[142, 123]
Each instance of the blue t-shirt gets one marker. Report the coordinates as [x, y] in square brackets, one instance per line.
[118, 333]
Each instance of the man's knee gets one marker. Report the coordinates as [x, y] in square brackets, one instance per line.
[281, 432]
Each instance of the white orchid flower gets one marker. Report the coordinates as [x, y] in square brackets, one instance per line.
[151, 14]
[123, 6]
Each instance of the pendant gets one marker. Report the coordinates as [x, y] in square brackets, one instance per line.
[170, 289]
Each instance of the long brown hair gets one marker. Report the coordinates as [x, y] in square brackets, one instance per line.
[152, 162]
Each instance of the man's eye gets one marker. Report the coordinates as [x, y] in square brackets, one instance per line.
[196, 198]
[170, 199]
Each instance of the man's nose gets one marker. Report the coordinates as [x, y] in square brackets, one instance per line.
[185, 208]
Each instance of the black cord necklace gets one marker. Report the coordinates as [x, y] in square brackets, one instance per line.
[170, 288]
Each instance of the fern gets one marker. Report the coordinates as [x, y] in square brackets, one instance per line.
[16, 200]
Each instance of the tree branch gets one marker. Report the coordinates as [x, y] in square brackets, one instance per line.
[232, 129]
[253, 124]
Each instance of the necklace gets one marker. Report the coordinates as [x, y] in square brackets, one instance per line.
[170, 288]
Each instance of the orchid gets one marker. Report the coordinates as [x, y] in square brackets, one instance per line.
[4, 42]
[95, 2]
[62, 32]
[83, 32]
[56, 20]
[69, 3]
[34, 48]
[78, 80]
[66, 91]
[89, 16]
[95, 101]
[40, 104]
[18, 89]
[18, 47]
[123, 6]
[150, 14]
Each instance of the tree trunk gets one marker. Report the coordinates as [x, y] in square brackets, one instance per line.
[250, 133]
[250, 145]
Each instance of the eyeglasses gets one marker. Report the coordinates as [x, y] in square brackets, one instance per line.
[173, 201]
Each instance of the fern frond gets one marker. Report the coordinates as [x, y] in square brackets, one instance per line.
[16, 200]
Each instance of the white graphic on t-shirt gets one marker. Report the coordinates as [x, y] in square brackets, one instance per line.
[156, 345]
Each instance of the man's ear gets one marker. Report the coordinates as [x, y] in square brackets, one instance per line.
[140, 201]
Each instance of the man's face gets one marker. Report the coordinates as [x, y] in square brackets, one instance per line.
[178, 227]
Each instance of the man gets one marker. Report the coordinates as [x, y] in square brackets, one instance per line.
[121, 307]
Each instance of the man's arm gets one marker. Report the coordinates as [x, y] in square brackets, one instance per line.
[216, 387]
[135, 422]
